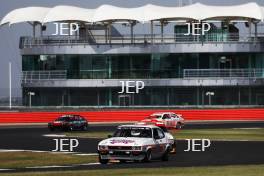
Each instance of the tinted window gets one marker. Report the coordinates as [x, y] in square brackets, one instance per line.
[155, 116]
[161, 134]
[155, 133]
[158, 134]
[63, 118]
[166, 116]
[133, 132]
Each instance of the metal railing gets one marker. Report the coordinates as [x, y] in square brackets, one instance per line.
[122, 74]
[30, 76]
[135, 39]
[223, 73]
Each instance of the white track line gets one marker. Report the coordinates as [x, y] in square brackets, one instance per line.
[35, 151]
[247, 128]
[46, 167]
[86, 154]
[6, 169]
[54, 135]
[87, 164]
[39, 151]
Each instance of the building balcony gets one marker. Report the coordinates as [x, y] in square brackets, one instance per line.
[123, 44]
[222, 73]
[143, 39]
[190, 77]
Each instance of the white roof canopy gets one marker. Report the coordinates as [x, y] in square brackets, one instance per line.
[28, 14]
[149, 12]
[68, 13]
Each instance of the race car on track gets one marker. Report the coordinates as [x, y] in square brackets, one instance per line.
[135, 143]
[168, 120]
[69, 123]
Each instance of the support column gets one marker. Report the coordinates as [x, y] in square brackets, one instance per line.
[198, 96]
[202, 96]
[109, 67]
[41, 32]
[98, 98]
[34, 29]
[110, 32]
[132, 31]
[249, 27]
[168, 96]
[249, 96]
[69, 97]
[239, 96]
[106, 33]
[162, 29]
[151, 31]
[110, 97]
[256, 30]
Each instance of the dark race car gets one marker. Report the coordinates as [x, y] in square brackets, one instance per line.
[69, 123]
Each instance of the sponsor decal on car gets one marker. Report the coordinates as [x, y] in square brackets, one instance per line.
[115, 141]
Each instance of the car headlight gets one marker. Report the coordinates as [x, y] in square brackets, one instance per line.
[103, 147]
[171, 141]
[136, 148]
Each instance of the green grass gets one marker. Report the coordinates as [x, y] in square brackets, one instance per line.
[89, 134]
[247, 170]
[253, 134]
[9, 160]
[213, 134]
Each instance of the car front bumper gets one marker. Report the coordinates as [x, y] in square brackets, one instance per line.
[122, 155]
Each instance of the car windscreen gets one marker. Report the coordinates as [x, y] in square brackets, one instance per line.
[155, 116]
[133, 132]
[65, 118]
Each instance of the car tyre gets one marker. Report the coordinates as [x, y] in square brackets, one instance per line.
[148, 156]
[51, 129]
[178, 126]
[84, 128]
[103, 161]
[165, 156]
[173, 150]
[70, 128]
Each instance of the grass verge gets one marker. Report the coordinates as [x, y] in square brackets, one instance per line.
[10, 160]
[240, 170]
[251, 134]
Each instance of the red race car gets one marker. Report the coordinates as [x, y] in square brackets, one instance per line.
[168, 120]
[69, 123]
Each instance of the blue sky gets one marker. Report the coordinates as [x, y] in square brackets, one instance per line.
[9, 36]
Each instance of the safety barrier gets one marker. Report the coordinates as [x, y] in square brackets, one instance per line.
[134, 115]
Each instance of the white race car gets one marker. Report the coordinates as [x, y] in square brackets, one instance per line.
[168, 120]
[135, 143]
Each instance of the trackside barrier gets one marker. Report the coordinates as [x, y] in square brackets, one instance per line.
[134, 115]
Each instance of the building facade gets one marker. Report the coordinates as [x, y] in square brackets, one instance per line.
[177, 73]
[220, 66]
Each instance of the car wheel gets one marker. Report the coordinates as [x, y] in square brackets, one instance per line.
[178, 126]
[70, 128]
[165, 156]
[103, 161]
[84, 128]
[51, 129]
[148, 156]
[173, 148]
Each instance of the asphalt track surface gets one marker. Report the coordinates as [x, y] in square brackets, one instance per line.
[219, 153]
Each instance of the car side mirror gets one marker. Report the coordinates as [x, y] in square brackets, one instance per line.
[109, 136]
